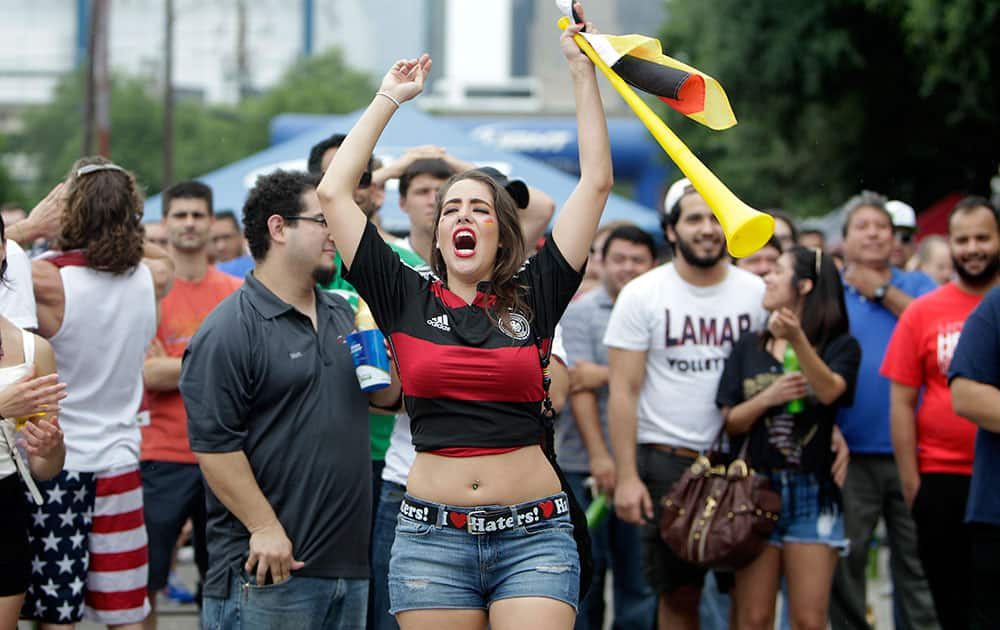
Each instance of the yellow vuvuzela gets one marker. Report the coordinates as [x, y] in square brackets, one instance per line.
[747, 230]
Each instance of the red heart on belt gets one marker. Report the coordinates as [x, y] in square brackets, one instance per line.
[547, 507]
[458, 519]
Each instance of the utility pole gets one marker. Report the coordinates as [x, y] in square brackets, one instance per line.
[96, 118]
[242, 63]
[168, 95]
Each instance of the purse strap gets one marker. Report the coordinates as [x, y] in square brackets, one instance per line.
[548, 413]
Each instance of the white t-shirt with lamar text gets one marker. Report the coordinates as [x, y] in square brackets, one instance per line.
[687, 333]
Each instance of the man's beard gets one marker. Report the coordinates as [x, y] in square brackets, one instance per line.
[984, 277]
[324, 275]
[702, 262]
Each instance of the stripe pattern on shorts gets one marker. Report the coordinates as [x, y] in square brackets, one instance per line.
[119, 556]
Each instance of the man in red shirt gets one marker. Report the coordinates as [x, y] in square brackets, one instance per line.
[173, 489]
[933, 446]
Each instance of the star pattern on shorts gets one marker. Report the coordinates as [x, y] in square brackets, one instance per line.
[39, 517]
[51, 542]
[56, 494]
[50, 588]
[65, 565]
[66, 518]
[65, 611]
[58, 535]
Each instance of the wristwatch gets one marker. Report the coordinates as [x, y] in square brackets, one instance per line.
[879, 294]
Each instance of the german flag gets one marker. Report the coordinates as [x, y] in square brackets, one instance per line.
[640, 61]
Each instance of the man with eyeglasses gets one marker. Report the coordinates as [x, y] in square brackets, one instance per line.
[277, 421]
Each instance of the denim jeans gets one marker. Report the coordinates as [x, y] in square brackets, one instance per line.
[383, 536]
[615, 545]
[299, 602]
[872, 489]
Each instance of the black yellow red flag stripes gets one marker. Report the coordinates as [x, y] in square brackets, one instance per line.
[640, 62]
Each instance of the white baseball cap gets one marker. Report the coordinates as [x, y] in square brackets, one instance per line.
[902, 215]
[677, 190]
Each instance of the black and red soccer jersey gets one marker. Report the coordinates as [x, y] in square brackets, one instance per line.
[467, 380]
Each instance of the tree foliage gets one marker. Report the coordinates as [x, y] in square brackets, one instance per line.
[833, 96]
[205, 137]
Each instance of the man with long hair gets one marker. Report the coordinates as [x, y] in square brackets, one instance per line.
[97, 304]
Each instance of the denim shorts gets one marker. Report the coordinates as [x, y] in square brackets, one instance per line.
[804, 517]
[437, 566]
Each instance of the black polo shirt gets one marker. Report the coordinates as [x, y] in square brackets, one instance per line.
[467, 380]
[258, 378]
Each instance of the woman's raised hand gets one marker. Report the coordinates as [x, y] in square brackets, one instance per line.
[574, 55]
[405, 79]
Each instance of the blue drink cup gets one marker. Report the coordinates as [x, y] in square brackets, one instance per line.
[371, 361]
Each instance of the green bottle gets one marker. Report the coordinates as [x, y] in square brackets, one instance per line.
[791, 364]
[598, 510]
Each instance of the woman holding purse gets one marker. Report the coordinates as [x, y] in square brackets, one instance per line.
[788, 415]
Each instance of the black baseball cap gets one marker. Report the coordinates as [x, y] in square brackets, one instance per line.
[517, 189]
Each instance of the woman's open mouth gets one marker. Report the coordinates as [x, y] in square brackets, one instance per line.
[464, 241]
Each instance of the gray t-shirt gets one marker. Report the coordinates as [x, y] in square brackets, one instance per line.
[583, 326]
[258, 377]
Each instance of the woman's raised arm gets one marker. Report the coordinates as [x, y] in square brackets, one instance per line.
[403, 81]
[576, 224]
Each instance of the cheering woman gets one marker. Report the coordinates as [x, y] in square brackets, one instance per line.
[484, 534]
[789, 420]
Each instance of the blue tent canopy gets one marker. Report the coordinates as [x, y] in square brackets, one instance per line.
[408, 128]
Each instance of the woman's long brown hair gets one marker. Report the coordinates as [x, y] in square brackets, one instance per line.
[103, 216]
[511, 252]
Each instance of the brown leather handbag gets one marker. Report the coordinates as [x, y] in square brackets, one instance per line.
[719, 516]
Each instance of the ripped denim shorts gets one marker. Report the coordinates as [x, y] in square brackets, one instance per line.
[810, 512]
[498, 553]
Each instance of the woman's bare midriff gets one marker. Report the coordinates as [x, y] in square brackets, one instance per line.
[506, 479]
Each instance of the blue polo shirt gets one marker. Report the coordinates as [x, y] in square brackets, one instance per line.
[977, 357]
[865, 424]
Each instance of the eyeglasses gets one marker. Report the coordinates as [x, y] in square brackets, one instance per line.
[320, 219]
[904, 237]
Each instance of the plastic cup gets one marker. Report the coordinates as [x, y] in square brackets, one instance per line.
[371, 361]
[20, 421]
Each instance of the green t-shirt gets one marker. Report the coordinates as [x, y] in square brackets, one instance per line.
[379, 424]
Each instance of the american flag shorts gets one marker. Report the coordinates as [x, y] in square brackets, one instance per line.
[89, 549]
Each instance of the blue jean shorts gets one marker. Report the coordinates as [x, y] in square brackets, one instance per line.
[806, 515]
[437, 566]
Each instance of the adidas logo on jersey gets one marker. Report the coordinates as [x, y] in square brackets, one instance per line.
[440, 322]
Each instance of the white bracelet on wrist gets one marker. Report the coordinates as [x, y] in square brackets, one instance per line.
[388, 96]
